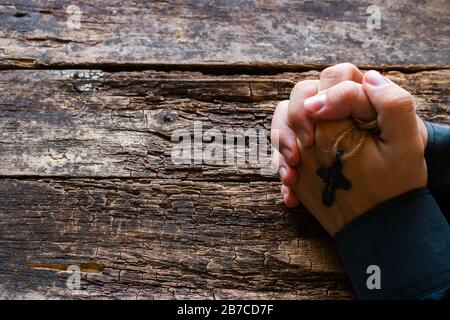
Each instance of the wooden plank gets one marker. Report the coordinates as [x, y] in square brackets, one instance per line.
[255, 33]
[161, 239]
[78, 123]
[169, 232]
[86, 176]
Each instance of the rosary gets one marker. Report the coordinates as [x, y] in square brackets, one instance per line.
[334, 179]
[332, 176]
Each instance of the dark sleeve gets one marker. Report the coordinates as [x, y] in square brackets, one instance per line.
[437, 156]
[408, 239]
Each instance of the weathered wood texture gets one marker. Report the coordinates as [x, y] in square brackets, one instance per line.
[86, 179]
[86, 176]
[97, 124]
[161, 239]
[266, 33]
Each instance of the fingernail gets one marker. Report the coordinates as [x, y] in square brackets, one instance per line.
[375, 78]
[283, 172]
[304, 138]
[314, 104]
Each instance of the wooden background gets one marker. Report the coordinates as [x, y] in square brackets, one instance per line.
[86, 117]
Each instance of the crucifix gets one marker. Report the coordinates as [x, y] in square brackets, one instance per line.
[334, 179]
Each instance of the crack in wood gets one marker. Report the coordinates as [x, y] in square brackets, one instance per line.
[216, 69]
[84, 267]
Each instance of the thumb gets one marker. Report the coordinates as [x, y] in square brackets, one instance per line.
[344, 100]
[395, 108]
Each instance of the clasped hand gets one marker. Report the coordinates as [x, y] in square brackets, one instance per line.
[387, 164]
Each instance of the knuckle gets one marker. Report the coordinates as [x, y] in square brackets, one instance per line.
[346, 90]
[402, 101]
[350, 67]
[302, 86]
[349, 88]
[406, 99]
[295, 115]
[342, 70]
[330, 73]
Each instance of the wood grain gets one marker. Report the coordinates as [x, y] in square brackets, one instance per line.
[79, 123]
[87, 180]
[86, 175]
[161, 239]
[223, 33]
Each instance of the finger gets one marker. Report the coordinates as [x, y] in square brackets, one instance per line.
[344, 100]
[283, 137]
[298, 118]
[287, 174]
[331, 76]
[289, 197]
[394, 106]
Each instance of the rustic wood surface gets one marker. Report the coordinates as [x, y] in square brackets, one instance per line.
[90, 123]
[86, 176]
[88, 179]
[266, 33]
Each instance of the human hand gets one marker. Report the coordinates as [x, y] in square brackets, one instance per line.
[343, 97]
[386, 165]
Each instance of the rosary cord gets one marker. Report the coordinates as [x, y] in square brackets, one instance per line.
[358, 132]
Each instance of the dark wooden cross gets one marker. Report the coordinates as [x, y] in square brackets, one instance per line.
[334, 179]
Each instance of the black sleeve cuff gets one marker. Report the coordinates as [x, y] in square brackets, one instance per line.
[407, 237]
[437, 156]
